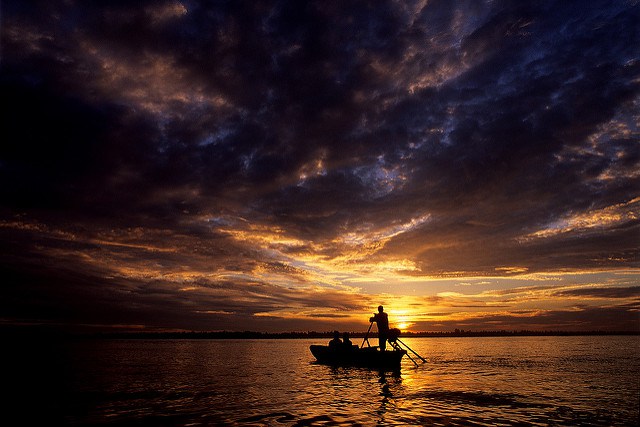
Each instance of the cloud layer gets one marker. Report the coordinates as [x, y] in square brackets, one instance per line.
[282, 158]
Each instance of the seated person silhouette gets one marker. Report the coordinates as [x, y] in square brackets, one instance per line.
[335, 343]
[346, 342]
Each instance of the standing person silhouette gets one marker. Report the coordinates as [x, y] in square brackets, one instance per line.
[382, 321]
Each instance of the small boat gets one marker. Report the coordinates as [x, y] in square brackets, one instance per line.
[368, 357]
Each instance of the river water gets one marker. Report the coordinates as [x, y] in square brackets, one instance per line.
[505, 381]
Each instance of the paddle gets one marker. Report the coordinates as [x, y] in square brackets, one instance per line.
[420, 357]
[366, 336]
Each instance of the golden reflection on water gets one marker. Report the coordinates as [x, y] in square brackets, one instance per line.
[479, 381]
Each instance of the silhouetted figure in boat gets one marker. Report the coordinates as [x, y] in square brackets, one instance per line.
[335, 343]
[382, 321]
[346, 342]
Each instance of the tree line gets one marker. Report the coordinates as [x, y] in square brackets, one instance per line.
[329, 334]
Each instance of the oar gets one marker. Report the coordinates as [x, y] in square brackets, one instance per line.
[411, 358]
[419, 357]
[366, 336]
[397, 347]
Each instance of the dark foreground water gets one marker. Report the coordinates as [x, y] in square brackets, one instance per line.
[519, 381]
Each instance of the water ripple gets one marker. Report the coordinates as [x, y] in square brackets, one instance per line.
[520, 381]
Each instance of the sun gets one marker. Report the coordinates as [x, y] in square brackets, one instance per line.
[401, 319]
[403, 326]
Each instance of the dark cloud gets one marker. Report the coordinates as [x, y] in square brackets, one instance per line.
[47, 294]
[457, 137]
[610, 292]
[585, 319]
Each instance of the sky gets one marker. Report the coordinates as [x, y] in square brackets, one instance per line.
[291, 165]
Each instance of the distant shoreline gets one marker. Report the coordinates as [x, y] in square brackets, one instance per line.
[34, 333]
[329, 334]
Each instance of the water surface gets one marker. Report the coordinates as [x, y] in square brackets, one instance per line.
[506, 381]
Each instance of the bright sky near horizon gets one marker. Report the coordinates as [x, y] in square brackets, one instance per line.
[290, 165]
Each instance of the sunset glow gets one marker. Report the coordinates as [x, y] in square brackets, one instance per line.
[282, 167]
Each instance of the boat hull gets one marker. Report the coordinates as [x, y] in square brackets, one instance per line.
[368, 357]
